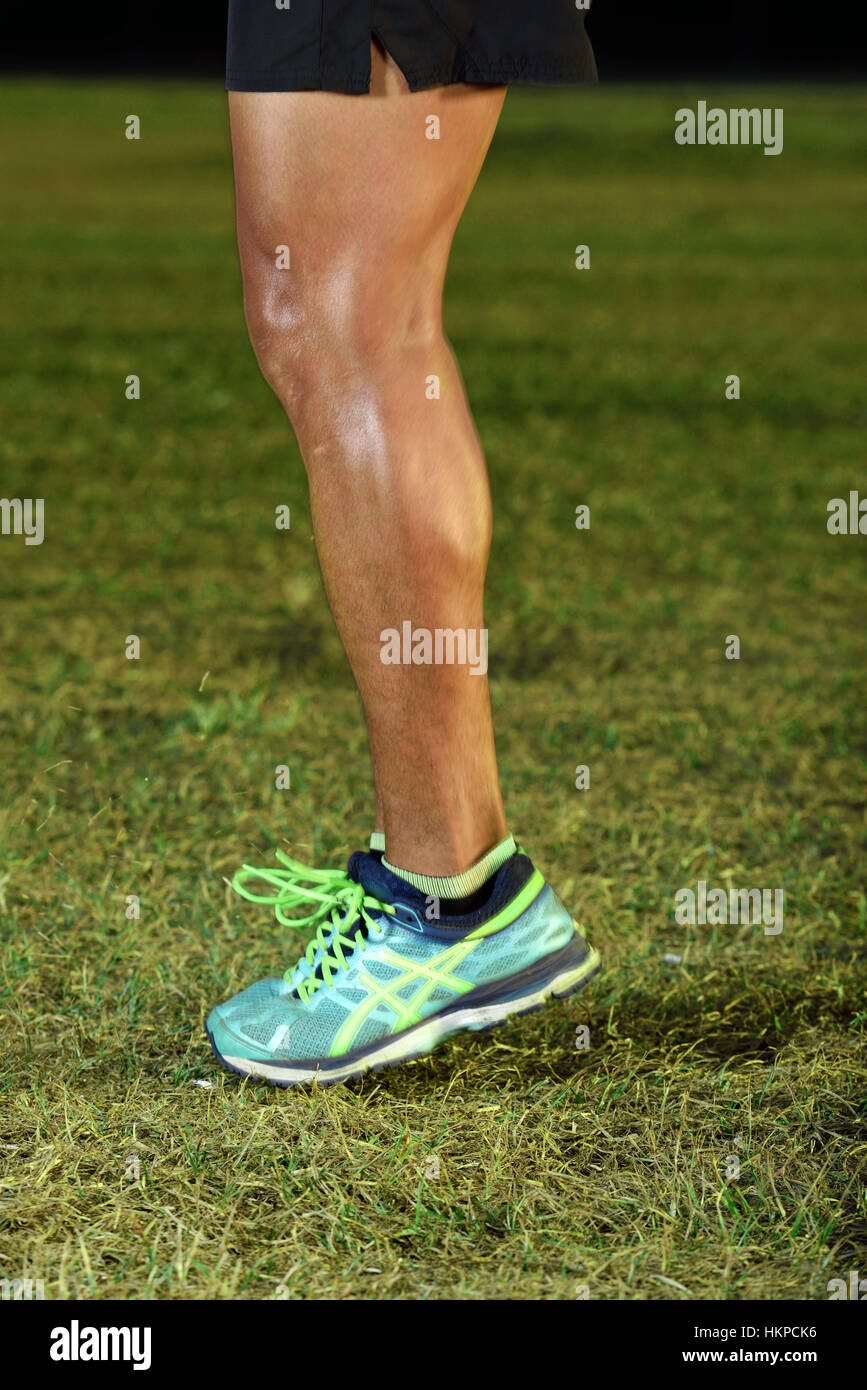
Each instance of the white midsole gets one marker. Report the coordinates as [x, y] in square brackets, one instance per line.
[421, 1039]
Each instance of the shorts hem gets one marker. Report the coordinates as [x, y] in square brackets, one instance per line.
[296, 82]
[351, 85]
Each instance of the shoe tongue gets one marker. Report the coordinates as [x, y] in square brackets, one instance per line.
[379, 881]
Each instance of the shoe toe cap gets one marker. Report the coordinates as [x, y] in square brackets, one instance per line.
[254, 1023]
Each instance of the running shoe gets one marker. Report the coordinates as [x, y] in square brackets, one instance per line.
[389, 973]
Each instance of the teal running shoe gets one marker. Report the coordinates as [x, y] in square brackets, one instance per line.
[384, 979]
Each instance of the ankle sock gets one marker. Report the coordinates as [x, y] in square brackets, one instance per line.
[455, 888]
[377, 841]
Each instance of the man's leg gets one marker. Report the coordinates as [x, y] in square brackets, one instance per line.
[349, 338]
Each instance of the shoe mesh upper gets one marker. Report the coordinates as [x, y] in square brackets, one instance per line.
[270, 1015]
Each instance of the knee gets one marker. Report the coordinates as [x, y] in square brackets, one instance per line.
[280, 330]
[345, 325]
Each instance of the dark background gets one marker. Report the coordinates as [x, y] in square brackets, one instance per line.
[688, 38]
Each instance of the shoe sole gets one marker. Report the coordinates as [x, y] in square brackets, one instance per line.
[419, 1040]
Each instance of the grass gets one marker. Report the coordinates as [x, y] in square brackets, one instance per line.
[520, 1164]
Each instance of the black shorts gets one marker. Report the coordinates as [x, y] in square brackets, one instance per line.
[324, 45]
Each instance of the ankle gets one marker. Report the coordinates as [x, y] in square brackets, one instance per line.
[458, 882]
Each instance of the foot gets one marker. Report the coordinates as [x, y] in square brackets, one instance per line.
[385, 980]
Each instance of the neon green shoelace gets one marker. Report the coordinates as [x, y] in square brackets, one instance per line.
[344, 908]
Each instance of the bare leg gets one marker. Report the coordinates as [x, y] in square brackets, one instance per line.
[348, 337]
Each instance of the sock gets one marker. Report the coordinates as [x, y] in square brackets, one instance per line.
[377, 841]
[454, 887]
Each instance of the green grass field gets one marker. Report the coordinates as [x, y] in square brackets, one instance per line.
[515, 1164]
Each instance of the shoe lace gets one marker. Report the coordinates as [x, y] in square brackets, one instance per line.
[342, 918]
